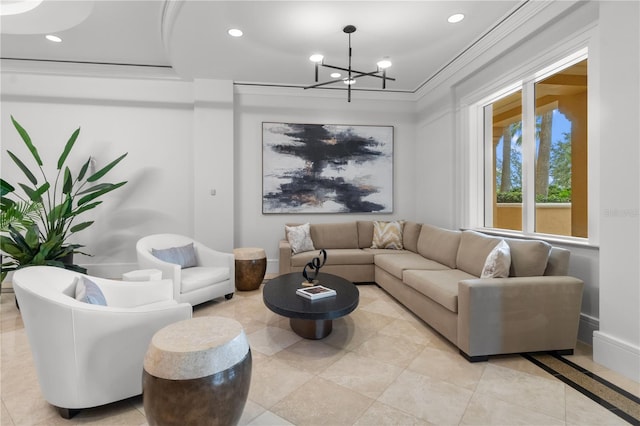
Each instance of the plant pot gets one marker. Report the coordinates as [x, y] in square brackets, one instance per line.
[68, 259]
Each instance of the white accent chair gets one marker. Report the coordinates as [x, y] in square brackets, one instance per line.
[214, 275]
[89, 355]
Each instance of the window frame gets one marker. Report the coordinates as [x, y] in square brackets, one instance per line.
[478, 159]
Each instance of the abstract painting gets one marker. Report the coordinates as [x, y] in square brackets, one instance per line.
[325, 168]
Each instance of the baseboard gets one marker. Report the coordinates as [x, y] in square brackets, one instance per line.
[587, 326]
[272, 266]
[617, 355]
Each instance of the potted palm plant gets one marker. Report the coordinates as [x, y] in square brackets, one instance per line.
[41, 236]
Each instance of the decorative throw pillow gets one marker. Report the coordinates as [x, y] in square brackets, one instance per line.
[184, 256]
[387, 235]
[88, 292]
[498, 262]
[300, 238]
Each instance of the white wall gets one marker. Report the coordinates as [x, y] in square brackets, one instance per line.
[253, 106]
[617, 344]
[435, 183]
[213, 164]
[152, 120]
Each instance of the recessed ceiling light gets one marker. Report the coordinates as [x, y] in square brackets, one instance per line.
[335, 75]
[53, 38]
[349, 82]
[316, 57]
[234, 32]
[456, 18]
[16, 7]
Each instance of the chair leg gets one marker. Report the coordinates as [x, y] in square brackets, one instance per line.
[67, 413]
[228, 296]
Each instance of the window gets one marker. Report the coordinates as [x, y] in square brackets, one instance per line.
[535, 161]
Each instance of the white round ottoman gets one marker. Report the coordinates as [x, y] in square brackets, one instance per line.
[197, 372]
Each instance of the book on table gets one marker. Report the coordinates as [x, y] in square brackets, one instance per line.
[315, 292]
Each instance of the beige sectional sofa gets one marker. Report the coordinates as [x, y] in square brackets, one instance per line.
[436, 276]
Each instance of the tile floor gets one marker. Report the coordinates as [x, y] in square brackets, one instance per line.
[380, 366]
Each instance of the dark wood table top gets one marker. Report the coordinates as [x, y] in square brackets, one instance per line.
[279, 295]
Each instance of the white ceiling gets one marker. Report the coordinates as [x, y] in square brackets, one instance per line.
[279, 36]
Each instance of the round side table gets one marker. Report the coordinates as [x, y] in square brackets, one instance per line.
[197, 372]
[251, 265]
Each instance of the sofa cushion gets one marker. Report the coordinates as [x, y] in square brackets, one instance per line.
[365, 233]
[440, 286]
[185, 256]
[335, 235]
[387, 235]
[498, 262]
[396, 264]
[335, 257]
[473, 251]
[558, 262]
[439, 244]
[528, 257]
[299, 238]
[202, 276]
[376, 252]
[410, 234]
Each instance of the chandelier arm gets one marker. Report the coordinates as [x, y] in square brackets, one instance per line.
[361, 73]
[338, 68]
[323, 84]
[372, 74]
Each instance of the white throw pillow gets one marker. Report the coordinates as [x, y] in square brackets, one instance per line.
[300, 238]
[498, 262]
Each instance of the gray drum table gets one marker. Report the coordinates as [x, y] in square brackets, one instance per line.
[311, 319]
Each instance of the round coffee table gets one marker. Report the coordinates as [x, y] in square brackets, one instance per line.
[311, 319]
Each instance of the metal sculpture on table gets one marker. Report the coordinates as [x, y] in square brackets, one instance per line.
[312, 268]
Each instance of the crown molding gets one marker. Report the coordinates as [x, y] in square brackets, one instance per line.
[87, 69]
[170, 13]
[299, 91]
[513, 28]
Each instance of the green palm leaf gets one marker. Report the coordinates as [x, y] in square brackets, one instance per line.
[67, 148]
[5, 188]
[97, 175]
[84, 169]
[27, 140]
[80, 226]
[23, 167]
[97, 194]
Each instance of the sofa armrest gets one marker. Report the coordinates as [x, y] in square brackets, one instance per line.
[284, 260]
[518, 314]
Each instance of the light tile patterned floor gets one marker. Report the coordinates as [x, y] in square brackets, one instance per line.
[380, 366]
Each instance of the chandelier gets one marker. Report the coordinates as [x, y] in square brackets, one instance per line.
[352, 75]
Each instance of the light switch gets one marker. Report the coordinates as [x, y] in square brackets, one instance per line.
[213, 192]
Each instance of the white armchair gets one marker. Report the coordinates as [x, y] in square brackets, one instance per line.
[89, 355]
[213, 276]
